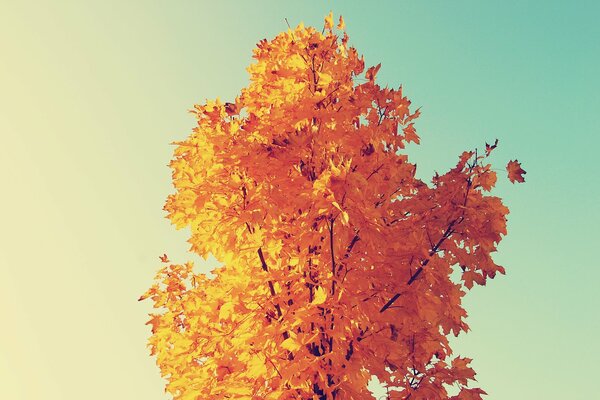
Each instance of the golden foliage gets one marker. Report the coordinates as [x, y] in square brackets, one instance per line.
[337, 260]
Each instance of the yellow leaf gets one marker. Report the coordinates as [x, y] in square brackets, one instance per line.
[256, 367]
[296, 62]
[336, 205]
[320, 296]
[239, 390]
[324, 79]
[290, 344]
[329, 21]
[345, 218]
[225, 311]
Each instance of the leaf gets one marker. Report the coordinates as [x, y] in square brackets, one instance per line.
[226, 311]
[515, 172]
[291, 344]
[469, 394]
[164, 258]
[231, 109]
[320, 296]
[256, 367]
[464, 158]
[345, 217]
[372, 72]
[324, 79]
[489, 148]
[329, 21]
[487, 180]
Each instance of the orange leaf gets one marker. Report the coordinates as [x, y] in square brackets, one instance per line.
[372, 72]
[490, 147]
[515, 172]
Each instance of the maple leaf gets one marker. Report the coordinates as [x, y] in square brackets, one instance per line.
[164, 258]
[329, 21]
[320, 296]
[231, 109]
[515, 172]
[372, 72]
[290, 344]
[490, 147]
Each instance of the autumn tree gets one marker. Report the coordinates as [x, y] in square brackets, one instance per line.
[337, 262]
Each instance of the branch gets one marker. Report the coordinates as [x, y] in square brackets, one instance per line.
[449, 230]
[266, 269]
[272, 290]
[374, 172]
[332, 255]
[390, 302]
[262, 260]
[355, 239]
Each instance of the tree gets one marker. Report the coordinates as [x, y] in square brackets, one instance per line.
[337, 262]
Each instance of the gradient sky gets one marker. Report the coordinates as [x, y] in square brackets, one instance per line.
[92, 93]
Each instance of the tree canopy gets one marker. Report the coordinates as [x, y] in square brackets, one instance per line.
[338, 263]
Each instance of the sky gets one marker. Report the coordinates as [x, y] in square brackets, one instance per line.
[93, 93]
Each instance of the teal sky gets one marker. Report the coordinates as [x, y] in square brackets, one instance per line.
[92, 93]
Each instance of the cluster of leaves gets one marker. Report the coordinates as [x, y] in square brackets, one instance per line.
[337, 260]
